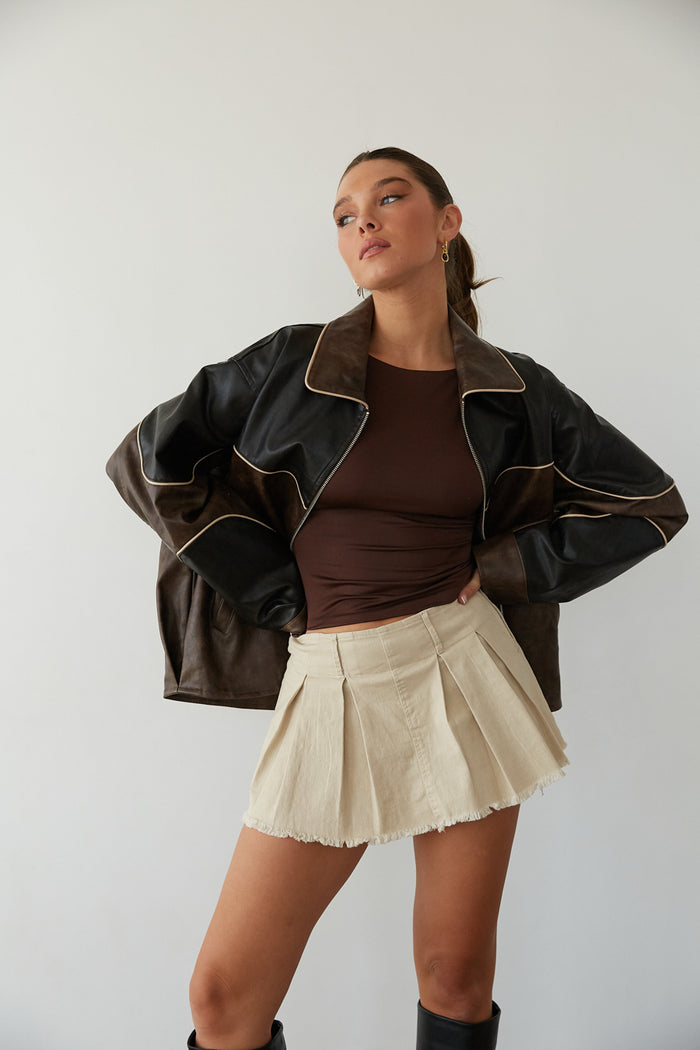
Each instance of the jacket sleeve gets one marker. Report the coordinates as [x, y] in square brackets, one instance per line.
[612, 507]
[174, 471]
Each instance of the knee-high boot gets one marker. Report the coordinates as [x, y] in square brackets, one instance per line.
[443, 1033]
[276, 1041]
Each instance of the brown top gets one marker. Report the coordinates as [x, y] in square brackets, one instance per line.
[391, 532]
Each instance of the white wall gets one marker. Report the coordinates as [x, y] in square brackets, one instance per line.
[167, 176]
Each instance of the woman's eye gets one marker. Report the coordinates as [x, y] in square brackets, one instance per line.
[343, 220]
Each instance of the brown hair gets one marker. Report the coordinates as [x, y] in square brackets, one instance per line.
[459, 271]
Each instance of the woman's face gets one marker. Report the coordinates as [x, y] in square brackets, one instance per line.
[389, 229]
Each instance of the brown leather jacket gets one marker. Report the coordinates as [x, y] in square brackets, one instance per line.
[228, 472]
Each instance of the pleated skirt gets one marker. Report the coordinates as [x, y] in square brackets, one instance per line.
[402, 729]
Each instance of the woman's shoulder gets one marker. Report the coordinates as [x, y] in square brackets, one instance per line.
[532, 372]
[544, 390]
[291, 338]
[525, 364]
[292, 344]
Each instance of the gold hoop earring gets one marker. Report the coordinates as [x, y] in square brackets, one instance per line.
[445, 253]
[360, 291]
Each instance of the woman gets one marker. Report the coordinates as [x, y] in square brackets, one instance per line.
[378, 519]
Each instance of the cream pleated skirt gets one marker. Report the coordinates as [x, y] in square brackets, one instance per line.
[402, 729]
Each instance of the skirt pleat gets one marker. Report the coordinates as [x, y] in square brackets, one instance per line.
[402, 729]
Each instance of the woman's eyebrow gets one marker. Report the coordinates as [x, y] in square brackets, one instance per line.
[377, 185]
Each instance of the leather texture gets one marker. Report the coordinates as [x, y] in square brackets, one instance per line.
[227, 473]
[276, 1041]
[435, 1032]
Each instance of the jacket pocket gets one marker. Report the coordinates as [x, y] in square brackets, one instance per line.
[221, 613]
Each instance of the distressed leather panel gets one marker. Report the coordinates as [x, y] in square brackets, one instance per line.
[535, 627]
[210, 658]
[297, 626]
[339, 363]
[501, 569]
[342, 366]
[273, 497]
[663, 511]
[520, 495]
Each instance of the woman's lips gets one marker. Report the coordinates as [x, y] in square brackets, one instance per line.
[374, 250]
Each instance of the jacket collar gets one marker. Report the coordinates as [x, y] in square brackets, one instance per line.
[339, 362]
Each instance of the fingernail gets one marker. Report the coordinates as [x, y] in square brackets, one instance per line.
[462, 599]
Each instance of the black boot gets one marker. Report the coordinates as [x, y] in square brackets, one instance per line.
[276, 1042]
[444, 1033]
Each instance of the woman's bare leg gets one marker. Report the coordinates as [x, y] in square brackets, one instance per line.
[460, 874]
[274, 893]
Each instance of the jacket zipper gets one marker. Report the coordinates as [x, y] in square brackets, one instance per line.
[335, 468]
[478, 467]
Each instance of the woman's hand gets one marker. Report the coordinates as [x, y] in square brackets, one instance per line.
[470, 590]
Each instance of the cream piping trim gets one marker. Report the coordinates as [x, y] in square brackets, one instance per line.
[474, 390]
[316, 390]
[573, 515]
[194, 468]
[270, 473]
[549, 521]
[542, 466]
[576, 514]
[308, 367]
[245, 517]
[498, 389]
[603, 492]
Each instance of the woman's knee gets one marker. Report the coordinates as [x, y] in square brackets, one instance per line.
[219, 1001]
[211, 996]
[458, 986]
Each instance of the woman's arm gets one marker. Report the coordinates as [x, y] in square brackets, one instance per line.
[171, 468]
[175, 470]
[612, 507]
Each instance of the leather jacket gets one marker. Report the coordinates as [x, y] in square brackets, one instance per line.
[228, 472]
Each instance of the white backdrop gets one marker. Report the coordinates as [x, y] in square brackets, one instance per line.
[167, 177]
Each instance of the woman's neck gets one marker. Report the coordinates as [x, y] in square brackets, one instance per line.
[412, 330]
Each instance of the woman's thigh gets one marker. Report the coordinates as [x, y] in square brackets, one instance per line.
[460, 873]
[273, 894]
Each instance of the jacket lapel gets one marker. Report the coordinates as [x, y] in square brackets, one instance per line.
[481, 367]
[338, 364]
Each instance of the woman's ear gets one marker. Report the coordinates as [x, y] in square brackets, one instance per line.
[451, 222]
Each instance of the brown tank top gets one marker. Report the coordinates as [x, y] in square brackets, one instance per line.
[391, 532]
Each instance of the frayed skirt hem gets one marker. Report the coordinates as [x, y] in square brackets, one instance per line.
[391, 836]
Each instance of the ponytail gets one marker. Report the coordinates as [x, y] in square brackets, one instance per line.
[459, 273]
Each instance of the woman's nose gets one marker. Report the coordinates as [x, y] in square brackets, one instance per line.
[368, 222]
